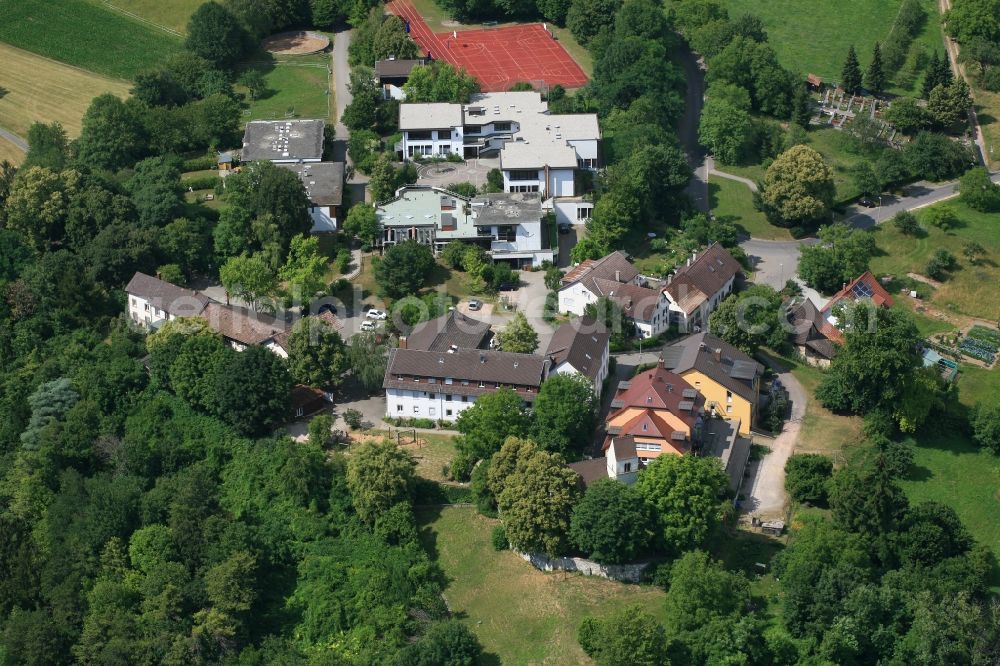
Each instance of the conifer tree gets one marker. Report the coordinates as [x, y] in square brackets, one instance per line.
[875, 76]
[850, 76]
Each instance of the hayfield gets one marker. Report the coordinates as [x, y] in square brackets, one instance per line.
[85, 35]
[9, 152]
[173, 14]
[39, 89]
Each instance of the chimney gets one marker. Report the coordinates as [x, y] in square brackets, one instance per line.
[159, 276]
[689, 262]
[402, 342]
[694, 256]
[670, 278]
[718, 354]
[659, 363]
[618, 276]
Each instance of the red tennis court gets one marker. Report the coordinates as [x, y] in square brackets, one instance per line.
[498, 57]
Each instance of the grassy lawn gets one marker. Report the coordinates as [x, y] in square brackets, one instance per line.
[33, 88]
[432, 452]
[9, 152]
[971, 290]
[731, 199]
[813, 37]
[988, 111]
[85, 35]
[293, 90]
[438, 20]
[173, 14]
[520, 615]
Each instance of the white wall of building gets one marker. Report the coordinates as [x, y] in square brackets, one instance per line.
[625, 470]
[441, 142]
[574, 298]
[400, 403]
[561, 183]
[145, 313]
[569, 211]
[586, 149]
[323, 221]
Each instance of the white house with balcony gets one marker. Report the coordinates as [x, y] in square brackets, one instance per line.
[538, 151]
[509, 226]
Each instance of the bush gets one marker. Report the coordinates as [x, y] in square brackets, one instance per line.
[199, 163]
[353, 419]
[807, 476]
[500, 542]
[907, 223]
[941, 264]
[201, 183]
[773, 416]
[343, 260]
[427, 424]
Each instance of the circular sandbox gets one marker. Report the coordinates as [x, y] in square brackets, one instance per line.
[301, 42]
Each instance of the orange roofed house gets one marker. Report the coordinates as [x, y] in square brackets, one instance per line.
[817, 332]
[660, 412]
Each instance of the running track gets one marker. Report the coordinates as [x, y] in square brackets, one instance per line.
[500, 57]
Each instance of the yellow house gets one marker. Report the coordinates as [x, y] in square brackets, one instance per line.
[728, 378]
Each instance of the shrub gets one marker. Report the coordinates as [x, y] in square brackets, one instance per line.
[500, 542]
[353, 419]
[907, 223]
[807, 476]
[940, 264]
[343, 260]
[199, 163]
[201, 183]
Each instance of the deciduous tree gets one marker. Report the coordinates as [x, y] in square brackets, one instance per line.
[536, 503]
[404, 269]
[250, 279]
[518, 336]
[684, 492]
[611, 522]
[216, 35]
[379, 475]
[564, 413]
[807, 476]
[798, 188]
[484, 426]
[317, 355]
[630, 636]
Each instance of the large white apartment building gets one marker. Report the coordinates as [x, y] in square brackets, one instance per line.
[508, 225]
[539, 151]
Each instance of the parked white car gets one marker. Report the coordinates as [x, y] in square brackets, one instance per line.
[377, 315]
[367, 326]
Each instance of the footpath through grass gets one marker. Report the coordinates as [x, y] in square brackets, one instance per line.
[520, 615]
[730, 199]
[38, 89]
[971, 289]
[85, 35]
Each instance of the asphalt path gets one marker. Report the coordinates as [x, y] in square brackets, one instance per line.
[917, 196]
[14, 139]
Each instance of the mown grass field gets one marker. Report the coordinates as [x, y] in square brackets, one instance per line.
[832, 145]
[813, 37]
[293, 90]
[39, 89]
[520, 615]
[971, 290]
[85, 35]
[732, 199]
[172, 14]
[9, 152]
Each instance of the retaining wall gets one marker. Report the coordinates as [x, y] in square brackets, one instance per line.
[629, 573]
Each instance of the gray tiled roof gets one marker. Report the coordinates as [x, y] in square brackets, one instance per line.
[471, 365]
[581, 343]
[734, 369]
[323, 181]
[453, 328]
[168, 297]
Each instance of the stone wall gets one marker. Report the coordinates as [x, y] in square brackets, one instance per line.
[629, 573]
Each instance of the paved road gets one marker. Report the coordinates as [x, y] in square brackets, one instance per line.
[917, 196]
[712, 171]
[687, 129]
[342, 93]
[14, 139]
[766, 496]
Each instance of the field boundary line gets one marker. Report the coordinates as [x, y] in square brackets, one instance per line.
[140, 19]
[65, 64]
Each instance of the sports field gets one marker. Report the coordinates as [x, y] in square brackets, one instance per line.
[39, 89]
[86, 35]
[813, 37]
[170, 14]
[497, 57]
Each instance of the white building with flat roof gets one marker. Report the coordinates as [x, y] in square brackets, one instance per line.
[539, 151]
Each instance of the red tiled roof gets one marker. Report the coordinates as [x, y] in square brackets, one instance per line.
[860, 287]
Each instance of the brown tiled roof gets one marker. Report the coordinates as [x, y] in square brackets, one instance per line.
[808, 327]
[242, 325]
[309, 399]
[467, 369]
[623, 447]
[615, 266]
[394, 69]
[734, 369]
[639, 303]
[453, 328]
[707, 274]
[590, 470]
[659, 389]
[168, 297]
[581, 343]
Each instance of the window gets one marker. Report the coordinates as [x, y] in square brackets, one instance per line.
[399, 408]
[584, 212]
[146, 307]
[449, 381]
[507, 234]
[416, 409]
[299, 411]
[729, 397]
[501, 127]
[465, 398]
[133, 301]
[482, 384]
[628, 467]
[448, 398]
[472, 129]
[729, 409]
[523, 174]
[432, 411]
[588, 163]
[524, 188]
[419, 135]
[447, 412]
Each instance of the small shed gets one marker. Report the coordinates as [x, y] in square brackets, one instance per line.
[306, 401]
[814, 81]
[226, 161]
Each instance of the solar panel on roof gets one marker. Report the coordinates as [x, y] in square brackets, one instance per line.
[863, 290]
[616, 404]
[690, 393]
[685, 405]
[743, 370]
